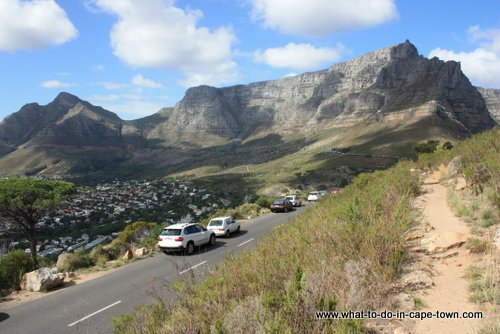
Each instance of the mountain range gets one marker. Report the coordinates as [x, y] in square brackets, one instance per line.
[381, 103]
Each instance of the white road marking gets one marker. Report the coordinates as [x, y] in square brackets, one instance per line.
[199, 264]
[96, 312]
[244, 242]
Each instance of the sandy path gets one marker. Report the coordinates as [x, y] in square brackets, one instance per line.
[450, 292]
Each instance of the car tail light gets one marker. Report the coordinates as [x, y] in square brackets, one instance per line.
[179, 239]
[221, 229]
[159, 239]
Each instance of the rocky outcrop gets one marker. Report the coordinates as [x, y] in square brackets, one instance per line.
[492, 99]
[66, 121]
[42, 279]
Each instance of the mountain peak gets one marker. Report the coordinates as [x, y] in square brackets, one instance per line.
[404, 50]
[66, 99]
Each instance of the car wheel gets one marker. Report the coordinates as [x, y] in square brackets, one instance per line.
[238, 230]
[189, 248]
[212, 240]
[228, 233]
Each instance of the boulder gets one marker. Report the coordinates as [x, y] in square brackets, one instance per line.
[61, 260]
[414, 234]
[139, 252]
[441, 242]
[128, 255]
[414, 280]
[460, 183]
[42, 279]
[455, 166]
[403, 302]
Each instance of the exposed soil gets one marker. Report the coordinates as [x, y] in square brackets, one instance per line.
[450, 291]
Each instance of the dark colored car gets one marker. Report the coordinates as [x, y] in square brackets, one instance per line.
[282, 205]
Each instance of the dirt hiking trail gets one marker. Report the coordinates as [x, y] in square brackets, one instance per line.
[450, 291]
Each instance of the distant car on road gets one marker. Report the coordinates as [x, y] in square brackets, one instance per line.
[223, 226]
[282, 205]
[294, 199]
[313, 196]
[185, 237]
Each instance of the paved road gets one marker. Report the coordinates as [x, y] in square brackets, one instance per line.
[89, 307]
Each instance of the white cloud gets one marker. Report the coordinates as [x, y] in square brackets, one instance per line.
[140, 81]
[29, 25]
[50, 84]
[481, 65]
[109, 85]
[299, 56]
[99, 67]
[128, 106]
[156, 34]
[322, 17]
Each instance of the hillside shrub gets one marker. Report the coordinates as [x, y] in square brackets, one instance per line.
[264, 202]
[12, 268]
[428, 147]
[102, 254]
[138, 231]
[117, 248]
[78, 260]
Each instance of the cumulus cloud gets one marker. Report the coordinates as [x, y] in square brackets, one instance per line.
[299, 56]
[127, 106]
[109, 85]
[481, 65]
[30, 25]
[140, 81]
[322, 17]
[50, 84]
[156, 34]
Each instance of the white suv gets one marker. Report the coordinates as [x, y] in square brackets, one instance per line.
[223, 226]
[185, 237]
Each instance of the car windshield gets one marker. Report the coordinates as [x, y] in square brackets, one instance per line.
[313, 193]
[279, 201]
[290, 198]
[171, 231]
[217, 222]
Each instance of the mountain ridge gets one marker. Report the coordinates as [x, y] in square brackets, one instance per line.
[393, 85]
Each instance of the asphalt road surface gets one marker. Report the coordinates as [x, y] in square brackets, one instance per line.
[90, 307]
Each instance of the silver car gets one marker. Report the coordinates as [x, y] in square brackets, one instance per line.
[223, 226]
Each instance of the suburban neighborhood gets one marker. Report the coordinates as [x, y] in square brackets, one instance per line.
[94, 215]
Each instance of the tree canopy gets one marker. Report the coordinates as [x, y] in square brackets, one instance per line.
[23, 201]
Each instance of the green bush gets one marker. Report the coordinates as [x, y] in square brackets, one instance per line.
[12, 268]
[102, 254]
[117, 248]
[78, 260]
[428, 147]
[264, 202]
[138, 231]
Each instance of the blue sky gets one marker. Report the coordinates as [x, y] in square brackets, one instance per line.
[134, 57]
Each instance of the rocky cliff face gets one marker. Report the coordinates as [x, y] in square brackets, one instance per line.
[391, 83]
[492, 99]
[388, 85]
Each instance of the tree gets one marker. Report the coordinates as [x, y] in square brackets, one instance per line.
[23, 201]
